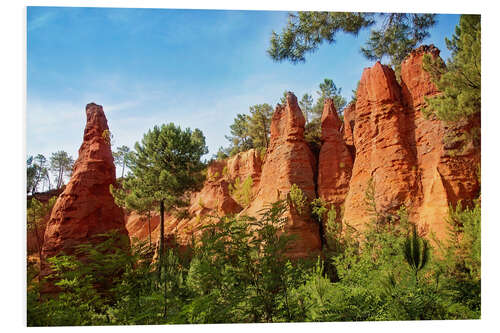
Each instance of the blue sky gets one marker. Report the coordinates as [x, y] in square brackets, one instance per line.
[195, 68]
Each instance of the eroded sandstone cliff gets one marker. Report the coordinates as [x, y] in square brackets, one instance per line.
[384, 142]
[407, 157]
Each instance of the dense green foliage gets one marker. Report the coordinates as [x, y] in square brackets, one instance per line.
[35, 214]
[250, 131]
[460, 79]
[298, 199]
[238, 272]
[165, 166]
[416, 251]
[395, 35]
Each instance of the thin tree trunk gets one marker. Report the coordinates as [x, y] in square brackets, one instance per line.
[123, 168]
[149, 228]
[59, 179]
[162, 240]
[39, 244]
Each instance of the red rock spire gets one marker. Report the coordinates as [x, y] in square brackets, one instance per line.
[86, 207]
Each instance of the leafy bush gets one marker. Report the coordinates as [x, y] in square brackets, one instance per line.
[298, 199]
[238, 271]
[242, 191]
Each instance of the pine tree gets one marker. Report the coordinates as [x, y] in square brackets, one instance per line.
[460, 80]
[240, 139]
[61, 164]
[396, 34]
[306, 104]
[165, 166]
[328, 89]
[121, 156]
[260, 125]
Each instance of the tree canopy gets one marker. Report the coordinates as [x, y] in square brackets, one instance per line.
[164, 167]
[260, 125]
[250, 130]
[460, 78]
[37, 173]
[61, 164]
[394, 35]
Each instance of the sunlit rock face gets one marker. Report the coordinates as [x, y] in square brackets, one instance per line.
[289, 161]
[86, 207]
[403, 153]
[383, 139]
[335, 160]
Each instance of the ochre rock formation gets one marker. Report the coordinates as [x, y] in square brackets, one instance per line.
[383, 154]
[335, 160]
[407, 156]
[140, 227]
[243, 165]
[424, 164]
[289, 161]
[86, 207]
[348, 128]
[446, 173]
[214, 199]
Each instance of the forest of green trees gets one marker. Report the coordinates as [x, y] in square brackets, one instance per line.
[237, 272]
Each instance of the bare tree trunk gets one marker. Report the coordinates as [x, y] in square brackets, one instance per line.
[149, 228]
[59, 178]
[39, 245]
[162, 240]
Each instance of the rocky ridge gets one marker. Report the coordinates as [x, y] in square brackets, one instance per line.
[384, 142]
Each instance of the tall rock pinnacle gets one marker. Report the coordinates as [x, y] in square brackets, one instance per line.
[86, 207]
[289, 161]
[335, 160]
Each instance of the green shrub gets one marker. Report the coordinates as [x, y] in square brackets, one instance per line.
[242, 191]
[298, 199]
